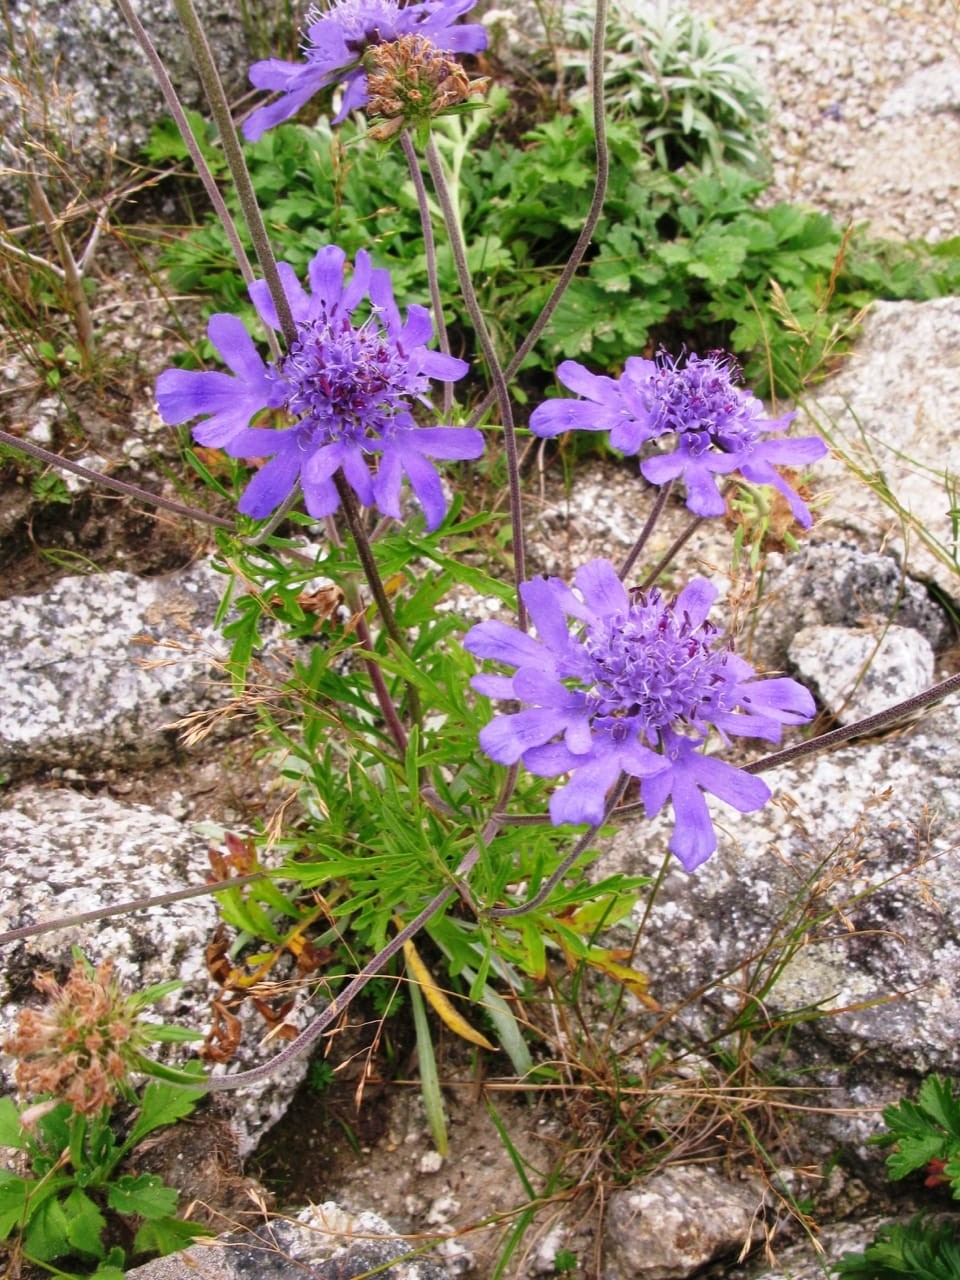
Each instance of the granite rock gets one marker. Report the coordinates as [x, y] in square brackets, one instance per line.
[96, 670]
[855, 674]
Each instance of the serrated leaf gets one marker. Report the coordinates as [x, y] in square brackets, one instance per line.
[914, 1153]
[85, 1223]
[162, 1104]
[45, 1236]
[938, 1099]
[146, 1195]
[167, 1235]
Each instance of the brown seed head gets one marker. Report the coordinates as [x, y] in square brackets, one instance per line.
[409, 80]
[81, 1044]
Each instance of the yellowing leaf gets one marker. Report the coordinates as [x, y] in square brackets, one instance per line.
[438, 1001]
[608, 962]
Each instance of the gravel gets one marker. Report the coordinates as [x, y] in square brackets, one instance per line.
[865, 120]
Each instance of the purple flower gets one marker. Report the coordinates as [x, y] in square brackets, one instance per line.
[633, 688]
[334, 44]
[349, 386]
[717, 427]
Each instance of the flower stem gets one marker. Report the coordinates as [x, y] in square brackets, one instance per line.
[671, 551]
[647, 530]
[545, 890]
[430, 252]
[175, 107]
[459, 251]
[108, 482]
[375, 582]
[233, 154]
[389, 711]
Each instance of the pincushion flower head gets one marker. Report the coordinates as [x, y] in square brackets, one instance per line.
[81, 1046]
[335, 41]
[716, 425]
[349, 385]
[630, 682]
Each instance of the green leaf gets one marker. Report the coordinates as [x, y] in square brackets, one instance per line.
[145, 1194]
[429, 1078]
[163, 1104]
[15, 1193]
[914, 1153]
[85, 1223]
[11, 1131]
[167, 1235]
[46, 1234]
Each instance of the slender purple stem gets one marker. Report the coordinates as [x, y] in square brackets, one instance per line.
[430, 252]
[108, 482]
[459, 251]
[593, 214]
[647, 530]
[233, 154]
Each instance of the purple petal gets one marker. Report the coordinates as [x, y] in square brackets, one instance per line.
[603, 592]
[493, 686]
[500, 643]
[358, 475]
[506, 738]
[425, 482]
[260, 442]
[325, 274]
[583, 799]
[783, 699]
[696, 599]
[184, 394]
[359, 282]
[442, 367]
[418, 329]
[297, 296]
[321, 498]
[790, 453]
[445, 442]
[271, 485]
[298, 86]
[743, 791]
[540, 597]
[556, 416]
[593, 386]
[236, 348]
[321, 464]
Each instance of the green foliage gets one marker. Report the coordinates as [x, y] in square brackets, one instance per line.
[64, 1209]
[924, 1135]
[925, 1130]
[916, 1251]
[565, 1262]
[379, 836]
[682, 257]
[691, 93]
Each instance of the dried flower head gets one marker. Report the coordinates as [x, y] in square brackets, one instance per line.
[81, 1045]
[410, 80]
[335, 42]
